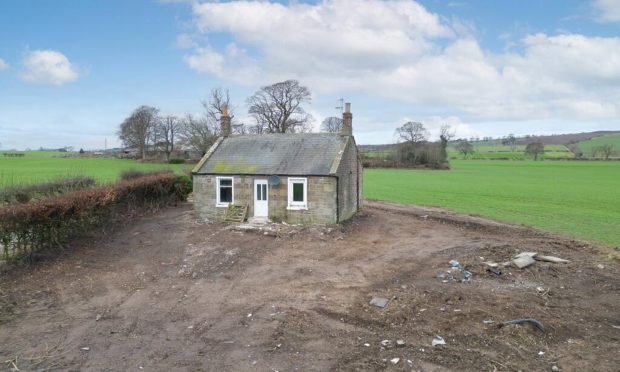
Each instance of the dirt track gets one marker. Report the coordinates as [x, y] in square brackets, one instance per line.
[173, 293]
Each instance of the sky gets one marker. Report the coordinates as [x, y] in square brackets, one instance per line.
[71, 71]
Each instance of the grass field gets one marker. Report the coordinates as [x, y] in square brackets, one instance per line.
[614, 140]
[581, 199]
[489, 150]
[493, 150]
[41, 166]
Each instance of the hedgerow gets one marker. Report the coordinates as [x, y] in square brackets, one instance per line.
[49, 224]
[132, 174]
[24, 194]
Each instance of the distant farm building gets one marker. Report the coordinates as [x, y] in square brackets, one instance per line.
[292, 177]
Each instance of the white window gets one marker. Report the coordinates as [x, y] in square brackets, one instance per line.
[297, 193]
[225, 191]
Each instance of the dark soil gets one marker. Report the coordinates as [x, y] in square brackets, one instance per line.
[169, 292]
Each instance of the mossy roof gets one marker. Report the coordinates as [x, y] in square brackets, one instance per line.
[280, 154]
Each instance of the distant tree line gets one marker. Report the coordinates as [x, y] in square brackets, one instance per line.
[414, 149]
[276, 108]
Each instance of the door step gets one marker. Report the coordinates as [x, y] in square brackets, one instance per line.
[258, 220]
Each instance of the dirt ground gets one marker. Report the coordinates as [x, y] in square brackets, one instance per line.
[169, 292]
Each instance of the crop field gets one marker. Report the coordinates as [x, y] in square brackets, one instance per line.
[614, 140]
[580, 199]
[41, 166]
[492, 150]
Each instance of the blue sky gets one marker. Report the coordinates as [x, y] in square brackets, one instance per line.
[71, 71]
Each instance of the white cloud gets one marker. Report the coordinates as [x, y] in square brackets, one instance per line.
[607, 10]
[48, 67]
[398, 49]
[457, 127]
[3, 65]
[185, 41]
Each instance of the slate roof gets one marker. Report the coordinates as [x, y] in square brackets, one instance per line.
[279, 154]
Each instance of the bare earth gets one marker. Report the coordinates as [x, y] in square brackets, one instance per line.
[171, 293]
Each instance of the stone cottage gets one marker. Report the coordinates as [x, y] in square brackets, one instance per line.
[292, 177]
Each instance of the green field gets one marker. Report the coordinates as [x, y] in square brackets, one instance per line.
[41, 166]
[614, 140]
[580, 199]
[493, 150]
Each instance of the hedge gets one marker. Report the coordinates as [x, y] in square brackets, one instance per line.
[132, 174]
[49, 224]
[24, 194]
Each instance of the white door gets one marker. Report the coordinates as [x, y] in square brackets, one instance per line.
[261, 199]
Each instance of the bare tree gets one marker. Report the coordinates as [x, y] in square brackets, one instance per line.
[214, 104]
[412, 132]
[511, 141]
[198, 133]
[535, 149]
[168, 131]
[465, 148]
[607, 150]
[277, 108]
[446, 133]
[331, 124]
[137, 129]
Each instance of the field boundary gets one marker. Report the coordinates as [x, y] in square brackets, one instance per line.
[469, 221]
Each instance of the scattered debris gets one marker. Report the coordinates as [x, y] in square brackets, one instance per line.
[524, 259]
[541, 353]
[526, 254]
[600, 266]
[456, 273]
[446, 277]
[394, 360]
[400, 343]
[495, 270]
[531, 321]
[540, 289]
[551, 259]
[85, 348]
[379, 302]
[386, 344]
[98, 317]
[615, 326]
[467, 276]
[555, 368]
[488, 322]
[367, 344]
[438, 341]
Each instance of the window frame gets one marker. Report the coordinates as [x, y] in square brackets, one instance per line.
[295, 205]
[218, 202]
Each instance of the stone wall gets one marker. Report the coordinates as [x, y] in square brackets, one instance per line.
[349, 181]
[321, 199]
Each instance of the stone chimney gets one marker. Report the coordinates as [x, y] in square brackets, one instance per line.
[225, 122]
[347, 121]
